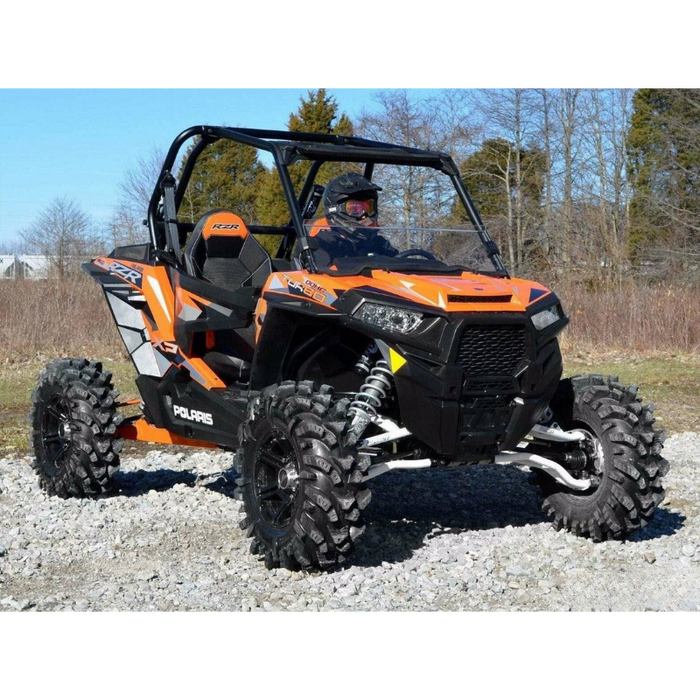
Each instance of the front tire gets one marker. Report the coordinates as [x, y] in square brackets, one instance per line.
[300, 479]
[74, 419]
[624, 461]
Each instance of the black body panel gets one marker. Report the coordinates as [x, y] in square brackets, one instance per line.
[473, 384]
[225, 409]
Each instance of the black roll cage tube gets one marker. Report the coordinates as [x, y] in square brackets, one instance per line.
[287, 147]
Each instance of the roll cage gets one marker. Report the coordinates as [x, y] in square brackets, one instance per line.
[287, 148]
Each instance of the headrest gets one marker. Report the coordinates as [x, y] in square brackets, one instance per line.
[223, 223]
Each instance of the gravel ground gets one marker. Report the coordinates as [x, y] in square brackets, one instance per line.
[452, 539]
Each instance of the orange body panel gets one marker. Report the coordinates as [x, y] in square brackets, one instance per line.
[164, 305]
[143, 431]
[260, 311]
[429, 290]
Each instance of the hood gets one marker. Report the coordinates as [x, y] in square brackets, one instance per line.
[466, 292]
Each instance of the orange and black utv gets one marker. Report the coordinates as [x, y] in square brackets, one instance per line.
[321, 372]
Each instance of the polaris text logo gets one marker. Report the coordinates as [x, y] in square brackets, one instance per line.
[196, 416]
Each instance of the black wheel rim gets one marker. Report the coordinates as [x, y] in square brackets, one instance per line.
[276, 479]
[55, 433]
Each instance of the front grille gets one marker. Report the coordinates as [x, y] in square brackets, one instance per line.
[470, 299]
[489, 385]
[491, 351]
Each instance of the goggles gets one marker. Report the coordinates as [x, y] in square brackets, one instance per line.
[359, 208]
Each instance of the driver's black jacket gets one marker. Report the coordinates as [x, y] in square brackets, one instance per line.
[331, 243]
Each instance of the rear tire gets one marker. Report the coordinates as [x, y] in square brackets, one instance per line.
[627, 474]
[300, 479]
[74, 420]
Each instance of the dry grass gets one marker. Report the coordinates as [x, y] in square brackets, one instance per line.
[52, 318]
[635, 319]
[16, 383]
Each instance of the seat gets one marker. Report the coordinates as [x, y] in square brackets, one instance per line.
[222, 251]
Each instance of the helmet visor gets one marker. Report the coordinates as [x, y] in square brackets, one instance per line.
[359, 208]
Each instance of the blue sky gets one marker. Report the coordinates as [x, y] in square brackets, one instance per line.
[78, 143]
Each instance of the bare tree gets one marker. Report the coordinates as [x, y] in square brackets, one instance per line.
[64, 234]
[513, 117]
[125, 228]
[138, 183]
[125, 225]
[567, 113]
[546, 137]
[417, 197]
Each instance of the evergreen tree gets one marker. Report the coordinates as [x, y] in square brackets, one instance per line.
[226, 176]
[664, 167]
[317, 114]
[490, 175]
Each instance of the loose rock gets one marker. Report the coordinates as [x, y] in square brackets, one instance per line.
[442, 539]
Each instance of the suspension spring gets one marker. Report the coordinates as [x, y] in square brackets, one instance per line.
[372, 393]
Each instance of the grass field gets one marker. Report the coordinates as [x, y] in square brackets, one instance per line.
[670, 382]
[16, 383]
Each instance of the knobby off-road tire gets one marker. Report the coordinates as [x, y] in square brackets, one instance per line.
[74, 419]
[627, 479]
[300, 478]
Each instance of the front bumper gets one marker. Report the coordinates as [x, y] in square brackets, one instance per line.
[475, 405]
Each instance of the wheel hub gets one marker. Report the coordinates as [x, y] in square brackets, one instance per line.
[55, 433]
[595, 457]
[287, 478]
[276, 478]
[594, 450]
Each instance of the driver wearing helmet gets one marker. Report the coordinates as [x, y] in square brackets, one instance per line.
[350, 228]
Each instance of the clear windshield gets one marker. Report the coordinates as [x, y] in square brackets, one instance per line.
[339, 248]
[417, 221]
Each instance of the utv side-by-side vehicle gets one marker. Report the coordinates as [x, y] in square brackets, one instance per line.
[322, 371]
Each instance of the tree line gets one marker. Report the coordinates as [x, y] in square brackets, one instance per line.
[594, 184]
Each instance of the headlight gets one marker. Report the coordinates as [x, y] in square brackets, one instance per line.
[391, 318]
[543, 319]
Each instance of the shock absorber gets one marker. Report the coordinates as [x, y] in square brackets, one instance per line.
[364, 364]
[371, 395]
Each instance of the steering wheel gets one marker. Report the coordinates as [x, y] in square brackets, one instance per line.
[415, 251]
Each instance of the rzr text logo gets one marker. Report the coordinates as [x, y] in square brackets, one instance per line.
[225, 227]
[126, 272]
[196, 416]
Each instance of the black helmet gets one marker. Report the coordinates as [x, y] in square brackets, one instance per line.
[350, 201]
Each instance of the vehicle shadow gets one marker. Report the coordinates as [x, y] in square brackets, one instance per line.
[665, 523]
[141, 481]
[409, 508]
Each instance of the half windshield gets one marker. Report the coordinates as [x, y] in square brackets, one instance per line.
[336, 248]
[417, 222]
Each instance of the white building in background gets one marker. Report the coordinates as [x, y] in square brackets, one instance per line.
[34, 267]
[7, 267]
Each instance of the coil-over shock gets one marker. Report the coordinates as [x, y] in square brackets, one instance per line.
[373, 393]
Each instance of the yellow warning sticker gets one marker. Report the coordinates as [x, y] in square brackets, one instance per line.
[396, 361]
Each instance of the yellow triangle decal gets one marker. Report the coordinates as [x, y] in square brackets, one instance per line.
[396, 361]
